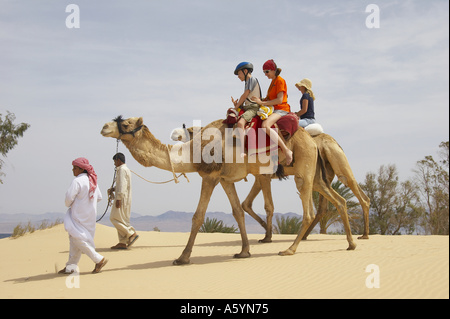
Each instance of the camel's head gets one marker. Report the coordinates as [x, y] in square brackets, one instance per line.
[123, 128]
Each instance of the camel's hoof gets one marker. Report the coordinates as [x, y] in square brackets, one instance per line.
[179, 262]
[363, 237]
[265, 240]
[352, 246]
[242, 255]
[287, 252]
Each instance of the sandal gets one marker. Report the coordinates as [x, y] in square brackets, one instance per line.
[65, 272]
[119, 246]
[133, 238]
[99, 266]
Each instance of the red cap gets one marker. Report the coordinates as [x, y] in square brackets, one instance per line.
[270, 65]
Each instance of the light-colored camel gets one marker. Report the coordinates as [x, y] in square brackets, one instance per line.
[336, 164]
[149, 151]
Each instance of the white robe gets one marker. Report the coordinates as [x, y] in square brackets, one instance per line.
[80, 218]
[120, 217]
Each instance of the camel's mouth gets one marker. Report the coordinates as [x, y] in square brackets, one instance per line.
[107, 131]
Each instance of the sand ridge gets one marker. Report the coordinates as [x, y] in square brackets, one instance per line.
[408, 267]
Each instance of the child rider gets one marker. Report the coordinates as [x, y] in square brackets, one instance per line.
[252, 89]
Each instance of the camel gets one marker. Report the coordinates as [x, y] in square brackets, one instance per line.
[336, 164]
[149, 151]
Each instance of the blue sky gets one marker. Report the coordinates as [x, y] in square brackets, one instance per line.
[382, 93]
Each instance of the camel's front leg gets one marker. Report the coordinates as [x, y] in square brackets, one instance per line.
[262, 182]
[247, 204]
[321, 211]
[305, 190]
[208, 185]
[265, 181]
[239, 215]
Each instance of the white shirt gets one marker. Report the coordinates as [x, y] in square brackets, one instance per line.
[80, 218]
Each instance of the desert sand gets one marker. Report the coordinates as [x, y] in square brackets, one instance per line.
[381, 267]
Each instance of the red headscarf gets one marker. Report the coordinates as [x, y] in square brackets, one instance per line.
[270, 65]
[83, 163]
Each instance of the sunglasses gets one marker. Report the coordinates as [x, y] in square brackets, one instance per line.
[266, 71]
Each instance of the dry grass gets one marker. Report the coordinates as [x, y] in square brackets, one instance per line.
[21, 230]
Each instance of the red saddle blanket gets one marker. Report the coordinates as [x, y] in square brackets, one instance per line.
[258, 142]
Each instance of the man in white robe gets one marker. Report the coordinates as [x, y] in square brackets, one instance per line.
[81, 198]
[121, 208]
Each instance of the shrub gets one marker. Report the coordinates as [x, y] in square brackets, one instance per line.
[216, 226]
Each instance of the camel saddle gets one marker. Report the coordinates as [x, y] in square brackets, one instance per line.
[286, 127]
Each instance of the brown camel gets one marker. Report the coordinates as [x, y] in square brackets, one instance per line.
[336, 164]
[149, 151]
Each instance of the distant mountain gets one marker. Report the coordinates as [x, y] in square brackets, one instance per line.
[170, 221]
[9, 221]
[4, 218]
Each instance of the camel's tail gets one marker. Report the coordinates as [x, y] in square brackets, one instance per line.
[280, 173]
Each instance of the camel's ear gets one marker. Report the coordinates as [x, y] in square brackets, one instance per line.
[139, 122]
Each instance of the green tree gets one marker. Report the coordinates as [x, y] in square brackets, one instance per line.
[407, 211]
[381, 190]
[9, 135]
[394, 205]
[433, 184]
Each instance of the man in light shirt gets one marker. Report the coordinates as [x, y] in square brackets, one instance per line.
[121, 208]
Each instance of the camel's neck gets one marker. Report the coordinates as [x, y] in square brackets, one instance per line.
[149, 151]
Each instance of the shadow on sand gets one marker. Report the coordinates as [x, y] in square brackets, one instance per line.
[200, 260]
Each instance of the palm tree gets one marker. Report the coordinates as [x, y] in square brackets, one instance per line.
[332, 216]
[287, 225]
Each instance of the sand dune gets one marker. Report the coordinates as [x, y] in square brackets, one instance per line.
[408, 267]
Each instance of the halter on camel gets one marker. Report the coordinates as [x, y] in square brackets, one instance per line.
[119, 121]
